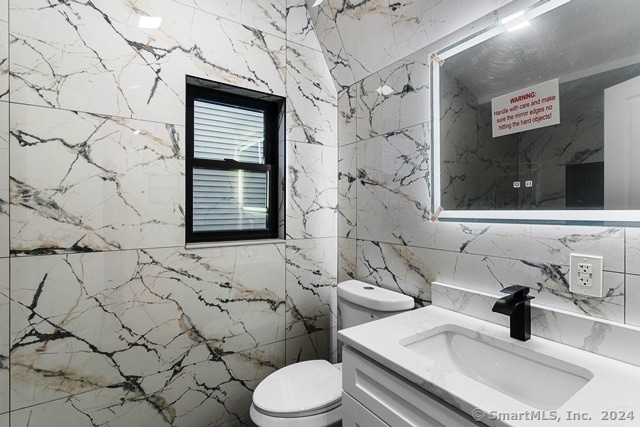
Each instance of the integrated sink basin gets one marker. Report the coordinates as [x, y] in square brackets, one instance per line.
[533, 378]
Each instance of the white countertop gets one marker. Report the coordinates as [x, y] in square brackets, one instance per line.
[613, 392]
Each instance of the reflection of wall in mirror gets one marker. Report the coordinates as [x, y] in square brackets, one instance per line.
[473, 165]
[539, 155]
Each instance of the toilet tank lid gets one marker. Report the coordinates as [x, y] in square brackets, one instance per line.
[373, 297]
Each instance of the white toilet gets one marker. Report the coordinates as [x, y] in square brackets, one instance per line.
[309, 394]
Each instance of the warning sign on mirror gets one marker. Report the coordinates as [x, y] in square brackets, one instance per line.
[525, 109]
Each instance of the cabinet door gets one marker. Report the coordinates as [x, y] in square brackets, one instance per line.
[356, 415]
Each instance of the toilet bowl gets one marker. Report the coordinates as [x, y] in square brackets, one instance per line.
[309, 394]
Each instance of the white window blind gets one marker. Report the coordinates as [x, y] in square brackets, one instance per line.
[228, 132]
[228, 198]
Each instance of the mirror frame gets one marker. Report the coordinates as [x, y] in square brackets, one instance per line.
[568, 217]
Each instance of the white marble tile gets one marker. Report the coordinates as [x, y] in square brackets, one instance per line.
[632, 300]
[216, 391]
[312, 99]
[376, 33]
[300, 26]
[311, 286]
[263, 15]
[82, 182]
[394, 98]
[4, 335]
[561, 241]
[406, 269]
[312, 191]
[549, 283]
[394, 200]
[60, 55]
[85, 321]
[324, 22]
[598, 336]
[347, 108]
[347, 259]
[4, 179]
[347, 191]
[318, 345]
[4, 420]
[632, 250]
[534, 243]
[4, 50]
[367, 34]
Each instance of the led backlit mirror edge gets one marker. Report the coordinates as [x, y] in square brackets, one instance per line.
[613, 218]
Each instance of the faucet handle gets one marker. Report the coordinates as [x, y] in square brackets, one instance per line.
[517, 291]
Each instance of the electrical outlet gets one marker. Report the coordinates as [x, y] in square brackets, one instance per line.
[585, 275]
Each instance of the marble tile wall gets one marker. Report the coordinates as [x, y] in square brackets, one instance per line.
[610, 339]
[386, 236]
[362, 37]
[105, 317]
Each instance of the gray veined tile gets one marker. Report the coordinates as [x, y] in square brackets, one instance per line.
[86, 321]
[4, 179]
[549, 283]
[347, 259]
[347, 191]
[110, 183]
[4, 50]
[311, 286]
[312, 191]
[394, 98]
[300, 26]
[4, 335]
[347, 109]
[263, 15]
[632, 300]
[324, 23]
[632, 250]
[405, 269]
[394, 178]
[215, 391]
[318, 345]
[534, 243]
[373, 34]
[98, 48]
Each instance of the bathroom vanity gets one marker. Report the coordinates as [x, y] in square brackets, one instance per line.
[436, 367]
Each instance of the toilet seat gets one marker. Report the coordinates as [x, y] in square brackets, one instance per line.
[299, 390]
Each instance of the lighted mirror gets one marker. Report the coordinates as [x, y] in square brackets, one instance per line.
[538, 116]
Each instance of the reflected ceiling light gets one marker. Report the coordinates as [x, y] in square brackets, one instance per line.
[385, 90]
[515, 22]
[317, 3]
[149, 22]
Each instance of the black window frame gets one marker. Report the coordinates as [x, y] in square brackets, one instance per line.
[234, 96]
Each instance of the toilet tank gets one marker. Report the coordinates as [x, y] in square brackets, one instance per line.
[360, 302]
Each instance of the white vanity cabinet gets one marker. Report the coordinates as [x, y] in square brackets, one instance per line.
[375, 396]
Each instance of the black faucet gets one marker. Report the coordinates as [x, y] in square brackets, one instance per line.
[516, 305]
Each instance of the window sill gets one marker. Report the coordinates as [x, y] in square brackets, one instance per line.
[233, 243]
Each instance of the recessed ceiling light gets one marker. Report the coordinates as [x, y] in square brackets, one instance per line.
[385, 90]
[150, 22]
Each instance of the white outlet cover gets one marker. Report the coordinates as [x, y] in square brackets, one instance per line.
[576, 287]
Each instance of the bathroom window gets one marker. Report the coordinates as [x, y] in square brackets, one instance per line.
[232, 163]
